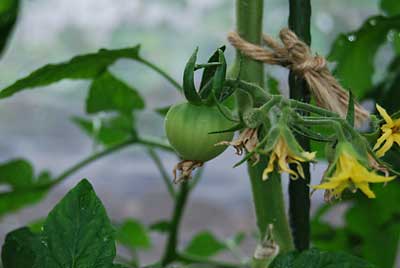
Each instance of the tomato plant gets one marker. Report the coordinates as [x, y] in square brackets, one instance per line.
[319, 121]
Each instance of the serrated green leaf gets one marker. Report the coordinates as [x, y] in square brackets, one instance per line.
[355, 53]
[315, 258]
[18, 251]
[8, 17]
[81, 67]
[108, 131]
[134, 235]
[108, 93]
[204, 244]
[391, 7]
[77, 232]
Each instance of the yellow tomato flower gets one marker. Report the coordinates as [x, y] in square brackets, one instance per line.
[350, 174]
[284, 156]
[390, 133]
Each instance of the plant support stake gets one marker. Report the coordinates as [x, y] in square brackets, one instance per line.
[267, 195]
[299, 192]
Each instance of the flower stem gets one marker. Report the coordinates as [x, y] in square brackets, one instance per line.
[267, 195]
[162, 73]
[164, 174]
[299, 191]
[171, 246]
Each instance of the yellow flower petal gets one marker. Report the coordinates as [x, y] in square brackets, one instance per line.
[382, 138]
[396, 138]
[270, 167]
[364, 187]
[388, 144]
[384, 114]
[327, 185]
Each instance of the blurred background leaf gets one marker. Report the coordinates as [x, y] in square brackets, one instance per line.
[9, 10]
[355, 53]
[204, 244]
[133, 234]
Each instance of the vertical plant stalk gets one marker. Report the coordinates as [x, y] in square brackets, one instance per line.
[299, 191]
[170, 253]
[267, 195]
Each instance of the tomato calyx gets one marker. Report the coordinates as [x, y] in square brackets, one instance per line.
[246, 142]
[183, 170]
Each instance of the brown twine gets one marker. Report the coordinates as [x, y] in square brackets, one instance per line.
[295, 55]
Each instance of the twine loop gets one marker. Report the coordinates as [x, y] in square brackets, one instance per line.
[296, 55]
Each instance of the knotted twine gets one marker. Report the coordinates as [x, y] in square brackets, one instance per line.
[296, 55]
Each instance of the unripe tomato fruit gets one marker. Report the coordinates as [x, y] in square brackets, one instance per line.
[188, 127]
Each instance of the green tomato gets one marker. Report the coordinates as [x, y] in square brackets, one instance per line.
[188, 127]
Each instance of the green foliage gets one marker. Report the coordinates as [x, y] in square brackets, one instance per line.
[273, 85]
[391, 7]
[108, 131]
[17, 250]
[133, 235]
[81, 67]
[9, 10]
[24, 190]
[77, 233]
[162, 226]
[355, 53]
[371, 228]
[108, 93]
[204, 244]
[387, 93]
[315, 258]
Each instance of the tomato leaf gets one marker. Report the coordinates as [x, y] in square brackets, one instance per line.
[77, 232]
[315, 258]
[391, 7]
[162, 226]
[8, 17]
[81, 67]
[355, 52]
[108, 93]
[18, 250]
[133, 234]
[273, 85]
[108, 131]
[204, 244]
[386, 92]
[19, 176]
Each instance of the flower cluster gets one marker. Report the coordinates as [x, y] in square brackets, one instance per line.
[352, 166]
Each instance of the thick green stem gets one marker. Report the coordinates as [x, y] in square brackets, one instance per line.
[267, 195]
[299, 191]
[270, 206]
